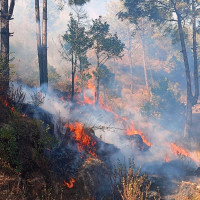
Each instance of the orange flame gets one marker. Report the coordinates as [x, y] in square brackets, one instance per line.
[85, 142]
[195, 156]
[132, 131]
[91, 100]
[6, 104]
[70, 185]
[179, 150]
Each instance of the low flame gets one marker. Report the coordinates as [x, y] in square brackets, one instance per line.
[70, 185]
[90, 99]
[132, 131]
[6, 104]
[177, 150]
[85, 142]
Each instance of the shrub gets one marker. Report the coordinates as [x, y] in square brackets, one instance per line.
[129, 183]
[22, 142]
[16, 95]
[8, 146]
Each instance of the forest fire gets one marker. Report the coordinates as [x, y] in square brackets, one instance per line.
[177, 150]
[85, 142]
[132, 131]
[70, 185]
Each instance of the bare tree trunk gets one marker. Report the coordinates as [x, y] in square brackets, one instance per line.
[81, 73]
[6, 15]
[74, 66]
[144, 65]
[72, 61]
[196, 73]
[39, 46]
[130, 57]
[188, 79]
[98, 79]
[44, 44]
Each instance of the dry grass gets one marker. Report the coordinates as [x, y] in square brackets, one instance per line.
[130, 184]
[187, 191]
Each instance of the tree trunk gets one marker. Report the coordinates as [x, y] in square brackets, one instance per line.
[196, 73]
[144, 65]
[6, 15]
[44, 45]
[74, 65]
[39, 46]
[81, 73]
[4, 46]
[130, 57]
[72, 61]
[73, 75]
[98, 79]
[188, 79]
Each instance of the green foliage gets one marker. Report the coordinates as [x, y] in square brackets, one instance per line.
[76, 40]
[76, 44]
[9, 147]
[106, 46]
[163, 13]
[105, 43]
[165, 105]
[22, 142]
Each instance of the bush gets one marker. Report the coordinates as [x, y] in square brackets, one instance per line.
[8, 146]
[22, 142]
[129, 183]
[165, 106]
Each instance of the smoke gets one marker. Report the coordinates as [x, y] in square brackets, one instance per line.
[156, 159]
[125, 101]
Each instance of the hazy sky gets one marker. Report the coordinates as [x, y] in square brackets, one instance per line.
[23, 43]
